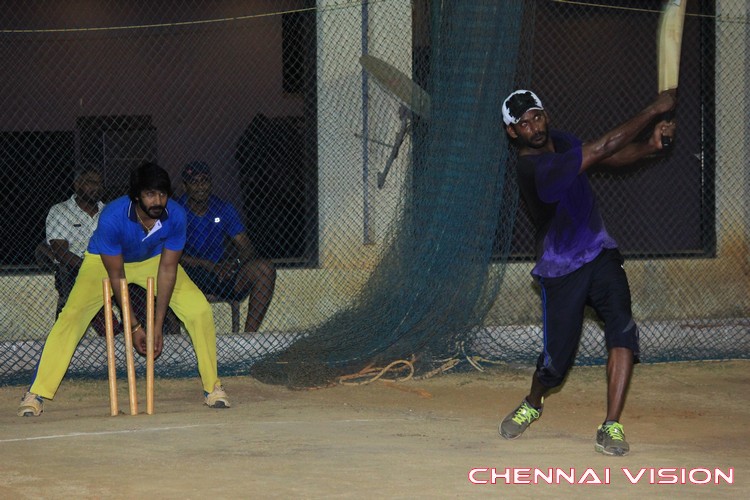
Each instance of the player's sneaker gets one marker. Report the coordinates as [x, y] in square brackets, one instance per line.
[519, 419]
[610, 439]
[31, 405]
[217, 398]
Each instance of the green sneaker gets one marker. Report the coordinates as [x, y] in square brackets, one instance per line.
[31, 405]
[610, 439]
[519, 419]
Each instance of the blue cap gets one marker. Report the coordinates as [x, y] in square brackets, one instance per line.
[194, 169]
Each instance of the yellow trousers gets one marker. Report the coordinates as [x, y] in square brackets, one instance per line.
[188, 303]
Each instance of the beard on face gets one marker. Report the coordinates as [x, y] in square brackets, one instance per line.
[536, 141]
[153, 212]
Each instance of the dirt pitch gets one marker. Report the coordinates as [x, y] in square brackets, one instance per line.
[417, 439]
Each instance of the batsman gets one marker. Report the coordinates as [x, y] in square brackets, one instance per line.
[139, 235]
[577, 261]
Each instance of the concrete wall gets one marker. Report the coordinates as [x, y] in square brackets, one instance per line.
[347, 163]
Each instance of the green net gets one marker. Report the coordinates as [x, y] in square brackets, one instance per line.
[385, 201]
[435, 281]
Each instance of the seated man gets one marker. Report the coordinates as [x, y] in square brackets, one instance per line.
[69, 227]
[228, 271]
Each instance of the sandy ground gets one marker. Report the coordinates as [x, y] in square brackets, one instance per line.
[417, 439]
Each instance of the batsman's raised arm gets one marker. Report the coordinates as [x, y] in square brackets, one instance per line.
[616, 147]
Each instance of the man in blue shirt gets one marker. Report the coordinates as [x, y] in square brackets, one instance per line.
[577, 261]
[138, 236]
[219, 256]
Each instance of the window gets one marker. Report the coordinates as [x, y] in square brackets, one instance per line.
[36, 171]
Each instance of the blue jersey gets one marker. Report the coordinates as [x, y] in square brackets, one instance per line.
[207, 233]
[120, 233]
[570, 231]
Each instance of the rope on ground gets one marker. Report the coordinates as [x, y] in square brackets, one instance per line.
[448, 364]
[371, 374]
[476, 360]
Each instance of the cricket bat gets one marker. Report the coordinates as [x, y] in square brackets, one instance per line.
[669, 45]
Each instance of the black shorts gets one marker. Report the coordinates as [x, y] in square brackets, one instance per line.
[601, 284]
[210, 283]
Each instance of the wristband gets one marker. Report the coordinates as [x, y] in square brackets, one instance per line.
[135, 327]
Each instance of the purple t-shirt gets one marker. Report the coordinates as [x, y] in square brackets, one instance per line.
[570, 231]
